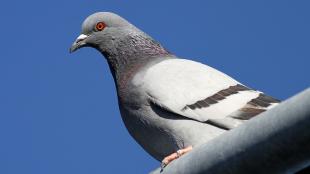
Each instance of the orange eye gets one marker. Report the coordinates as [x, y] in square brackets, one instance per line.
[100, 26]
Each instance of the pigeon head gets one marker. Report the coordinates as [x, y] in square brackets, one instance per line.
[100, 29]
[117, 39]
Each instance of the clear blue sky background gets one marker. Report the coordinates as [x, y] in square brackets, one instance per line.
[58, 111]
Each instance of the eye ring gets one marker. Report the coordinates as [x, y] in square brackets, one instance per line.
[100, 26]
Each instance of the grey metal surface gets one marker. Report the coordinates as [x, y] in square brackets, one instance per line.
[277, 141]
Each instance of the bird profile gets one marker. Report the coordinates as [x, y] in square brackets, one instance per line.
[169, 104]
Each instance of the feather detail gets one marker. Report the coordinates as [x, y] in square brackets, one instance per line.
[255, 107]
[217, 97]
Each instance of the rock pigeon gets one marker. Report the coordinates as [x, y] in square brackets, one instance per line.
[168, 104]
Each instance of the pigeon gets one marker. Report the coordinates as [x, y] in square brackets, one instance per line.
[168, 104]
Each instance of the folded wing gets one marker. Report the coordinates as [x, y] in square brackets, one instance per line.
[202, 93]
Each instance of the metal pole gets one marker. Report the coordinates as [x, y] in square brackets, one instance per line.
[277, 141]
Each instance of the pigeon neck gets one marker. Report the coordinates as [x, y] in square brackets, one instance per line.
[130, 52]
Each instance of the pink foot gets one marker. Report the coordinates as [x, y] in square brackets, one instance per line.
[174, 156]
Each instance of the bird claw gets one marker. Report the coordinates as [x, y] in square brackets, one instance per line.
[163, 165]
[174, 156]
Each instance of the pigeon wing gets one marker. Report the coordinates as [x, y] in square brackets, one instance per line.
[200, 92]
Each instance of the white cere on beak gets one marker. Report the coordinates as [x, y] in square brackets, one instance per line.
[81, 37]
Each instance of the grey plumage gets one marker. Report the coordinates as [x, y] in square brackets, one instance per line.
[167, 103]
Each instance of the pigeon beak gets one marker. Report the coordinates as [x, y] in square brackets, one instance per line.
[78, 43]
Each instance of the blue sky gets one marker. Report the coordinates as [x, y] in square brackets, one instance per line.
[58, 111]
